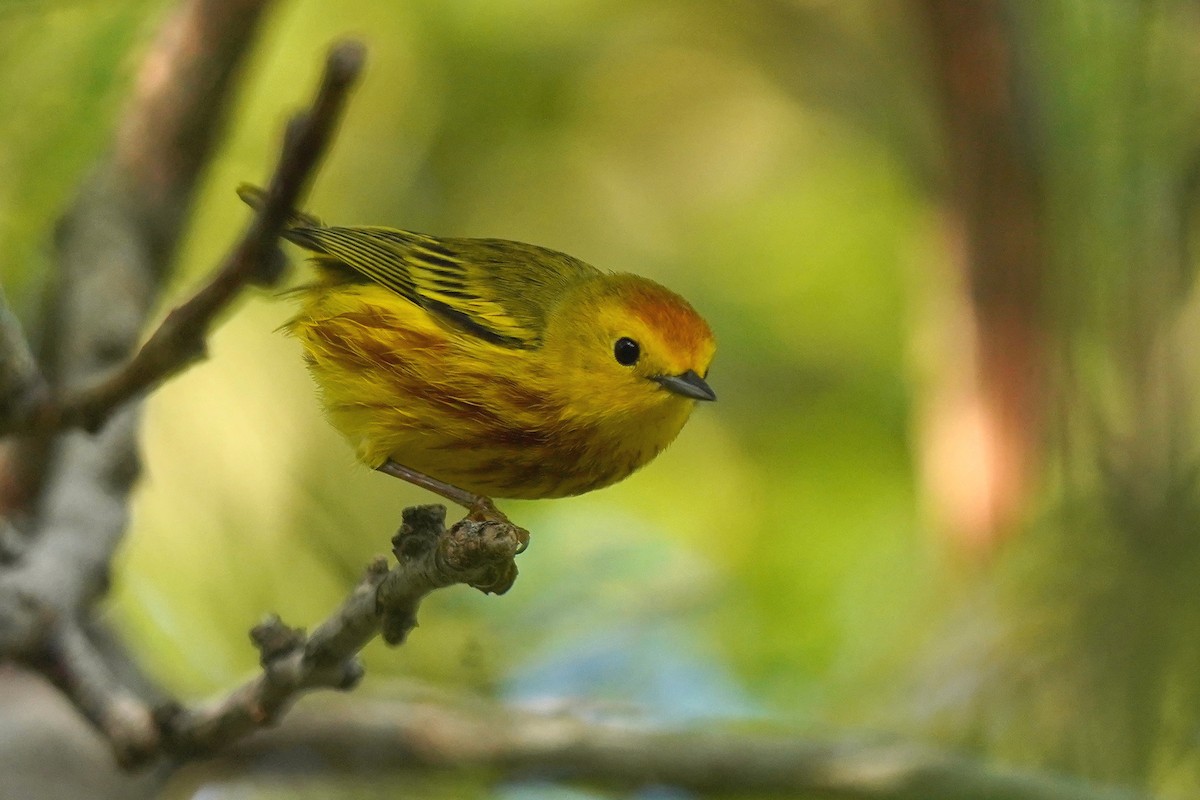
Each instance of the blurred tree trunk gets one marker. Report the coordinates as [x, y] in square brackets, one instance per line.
[985, 424]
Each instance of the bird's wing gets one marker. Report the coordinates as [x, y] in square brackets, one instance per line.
[496, 289]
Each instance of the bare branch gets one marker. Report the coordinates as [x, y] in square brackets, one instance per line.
[423, 731]
[20, 380]
[113, 248]
[48, 751]
[82, 673]
[124, 226]
[180, 338]
[478, 553]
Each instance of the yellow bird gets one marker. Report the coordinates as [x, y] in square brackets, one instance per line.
[489, 368]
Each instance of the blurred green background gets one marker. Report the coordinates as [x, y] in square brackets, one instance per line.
[782, 165]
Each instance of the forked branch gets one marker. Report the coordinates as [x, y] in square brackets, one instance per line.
[180, 339]
[429, 557]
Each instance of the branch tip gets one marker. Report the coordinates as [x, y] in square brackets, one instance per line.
[275, 640]
[420, 530]
[345, 62]
[353, 672]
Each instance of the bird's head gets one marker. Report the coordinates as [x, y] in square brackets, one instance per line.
[623, 344]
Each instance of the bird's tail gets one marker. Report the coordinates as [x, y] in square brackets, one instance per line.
[254, 196]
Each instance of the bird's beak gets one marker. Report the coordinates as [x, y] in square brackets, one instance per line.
[688, 384]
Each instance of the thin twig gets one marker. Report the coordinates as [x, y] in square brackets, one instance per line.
[20, 379]
[429, 557]
[180, 339]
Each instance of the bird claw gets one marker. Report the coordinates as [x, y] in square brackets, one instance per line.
[484, 510]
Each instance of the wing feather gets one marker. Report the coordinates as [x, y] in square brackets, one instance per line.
[496, 289]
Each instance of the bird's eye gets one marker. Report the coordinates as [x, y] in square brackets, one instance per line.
[626, 351]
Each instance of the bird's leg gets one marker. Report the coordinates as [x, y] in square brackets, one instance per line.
[480, 506]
